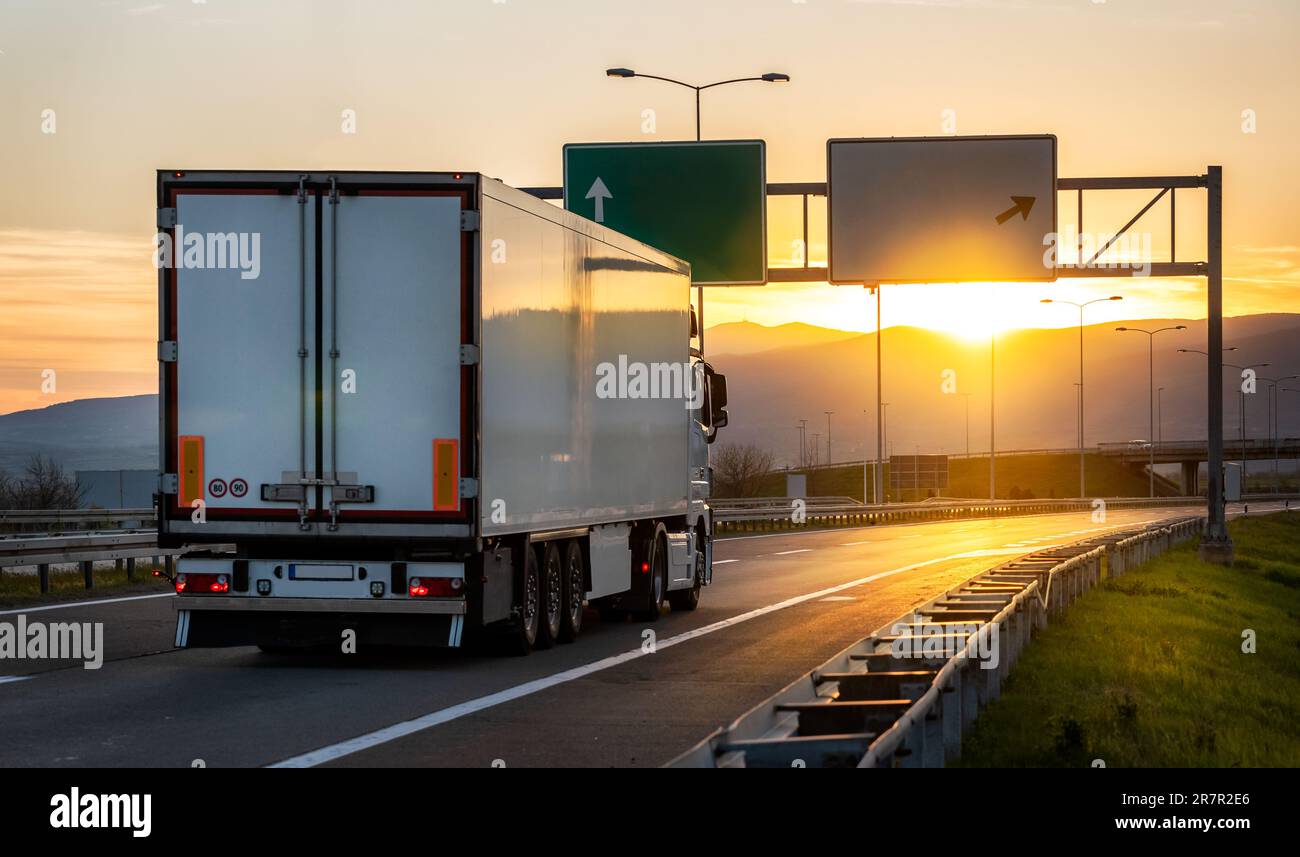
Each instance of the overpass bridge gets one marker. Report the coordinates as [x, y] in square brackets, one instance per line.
[1190, 453]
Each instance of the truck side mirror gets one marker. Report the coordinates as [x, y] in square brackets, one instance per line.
[717, 399]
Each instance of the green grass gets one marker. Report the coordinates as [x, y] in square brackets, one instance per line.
[1148, 670]
[1039, 476]
[24, 590]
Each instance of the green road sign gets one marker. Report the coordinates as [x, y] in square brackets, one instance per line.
[704, 202]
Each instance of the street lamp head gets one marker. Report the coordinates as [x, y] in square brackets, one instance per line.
[1231, 348]
[1115, 298]
[619, 72]
[776, 77]
[1121, 329]
[1045, 301]
[1180, 327]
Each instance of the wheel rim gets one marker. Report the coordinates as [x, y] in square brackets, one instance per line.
[575, 591]
[530, 601]
[553, 595]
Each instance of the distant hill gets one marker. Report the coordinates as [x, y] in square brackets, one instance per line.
[771, 390]
[87, 434]
[779, 375]
[746, 337]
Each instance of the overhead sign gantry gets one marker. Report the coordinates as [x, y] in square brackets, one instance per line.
[942, 209]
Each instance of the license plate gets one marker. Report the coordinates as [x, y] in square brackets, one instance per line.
[319, 571]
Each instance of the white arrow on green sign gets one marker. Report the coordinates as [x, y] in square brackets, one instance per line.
[703, 202]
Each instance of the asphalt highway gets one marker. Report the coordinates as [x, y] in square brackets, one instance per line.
[628, 694]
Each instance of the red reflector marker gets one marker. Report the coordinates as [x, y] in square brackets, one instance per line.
[438, 587]
[645, 568]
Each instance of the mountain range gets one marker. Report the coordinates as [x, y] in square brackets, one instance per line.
[780, 375]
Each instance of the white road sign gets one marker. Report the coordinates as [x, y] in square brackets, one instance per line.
[942, 209]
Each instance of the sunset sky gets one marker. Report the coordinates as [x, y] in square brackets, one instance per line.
[1130, 87]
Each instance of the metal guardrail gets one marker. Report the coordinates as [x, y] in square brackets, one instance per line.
[20, 517]
[85, 549]
[782, 513]
[903, 696]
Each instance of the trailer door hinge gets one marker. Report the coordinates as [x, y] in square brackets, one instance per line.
[468, 489]
[169, 483]
[167, 351]
[469, 355]
[469, 221]
[166, 218]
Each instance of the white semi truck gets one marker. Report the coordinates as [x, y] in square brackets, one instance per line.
[420, 405]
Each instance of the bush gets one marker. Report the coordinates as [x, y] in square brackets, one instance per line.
[44, 484]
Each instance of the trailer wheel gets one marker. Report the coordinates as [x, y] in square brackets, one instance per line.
[688, 599]
[575, 587]
[551, 614]
[525, 634]
[657, 557]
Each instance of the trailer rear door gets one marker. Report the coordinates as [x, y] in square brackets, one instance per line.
[321, 386]
[392, 416]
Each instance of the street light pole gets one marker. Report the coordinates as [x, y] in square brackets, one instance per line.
[993, 338]
[769, 77]
[966, 396]
[881, 438]
[1082, 488]
[1279, 409]
[1241, 403]
[829, 458]
[1151, 397]
[1160, 416]
[1272, 423]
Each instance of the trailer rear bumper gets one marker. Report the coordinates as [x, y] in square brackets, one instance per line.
[344, 624]
[250, 604]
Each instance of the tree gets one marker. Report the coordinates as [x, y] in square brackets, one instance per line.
[738, 470]
[43, 485]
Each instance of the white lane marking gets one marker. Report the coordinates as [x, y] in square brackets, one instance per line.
[5, 679]
[914, 536]
[852, 544]
[724, 561]
[787, 553]
[840, 598]
[473, 706]
[86, 603]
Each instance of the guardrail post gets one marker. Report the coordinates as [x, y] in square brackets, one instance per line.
[950, 705]
[932, 748]
[43, 572]
[117, 565]
[130, 568]
[88, 572]
[170, 562]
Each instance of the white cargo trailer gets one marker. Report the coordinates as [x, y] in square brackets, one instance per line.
[421, 404]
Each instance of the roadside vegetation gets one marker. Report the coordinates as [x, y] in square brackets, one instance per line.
[22, 589]
[1148, 670]
[43, 484]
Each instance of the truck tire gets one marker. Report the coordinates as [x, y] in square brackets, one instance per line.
[525, 633]
[657, 585]
[551, 613]
[575, 587]
[683, 600]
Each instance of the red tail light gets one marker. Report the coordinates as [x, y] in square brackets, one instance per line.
[435, 587]
[645, 568]
[196, 583]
